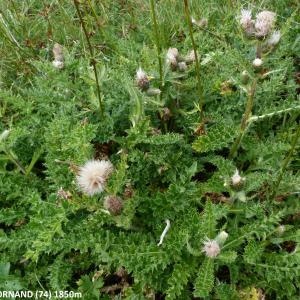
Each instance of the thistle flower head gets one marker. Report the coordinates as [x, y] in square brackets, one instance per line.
[58, 64]
[171, 57]
[211, 248]
[236, 179]
[93, 175]
[190, 57]
[58, 52]
[113, 204]
[264, 22]
[274, 38]
[142, 79]
[257, 63]
[182, 67]
[246, 21]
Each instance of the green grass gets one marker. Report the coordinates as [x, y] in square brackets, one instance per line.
[173, 154]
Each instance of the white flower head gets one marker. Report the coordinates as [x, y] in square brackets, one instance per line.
[211, 248]
[246, 21]
[274, 38]
[58, 64]
[182, 67]
[142, 79]
[171, 57]
[257, 62]
[236, 179]
[141, 74]
[264, 23]
[93, 175]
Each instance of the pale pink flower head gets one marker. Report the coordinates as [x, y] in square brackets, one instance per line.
[236, 178]
[93, 175]
[264, 23]
[142, 79]
[171, 57]
[211, 248]
[191, 57]
[246, 21]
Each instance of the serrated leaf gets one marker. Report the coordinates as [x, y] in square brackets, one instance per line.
[227, 256]
[217, 137]
[205, 280]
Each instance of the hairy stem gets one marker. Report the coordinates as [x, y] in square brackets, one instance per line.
[157, 41]
[93, 61]
[286, 162]
[245, 119]
[200, 88]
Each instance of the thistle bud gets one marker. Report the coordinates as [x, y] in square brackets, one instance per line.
[281, 229]
[257, 63]
[221, 238]
[166, 114]
[190, 57]
[113, 204]
[58, 64]
[245, 77]
[274, 39]
[4, 135]
[153, 92]
[182, 67]
[142, 80]
[58, 61]
[201, 23]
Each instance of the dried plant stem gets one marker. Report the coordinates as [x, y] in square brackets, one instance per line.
[158, 47]
[93, 61]
[286, 162]
[200, 88]
[245, 119]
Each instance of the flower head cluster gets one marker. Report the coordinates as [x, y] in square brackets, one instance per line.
[260, 27]
[58, 61]
[143, 83]
[92, 176]
[177, 62]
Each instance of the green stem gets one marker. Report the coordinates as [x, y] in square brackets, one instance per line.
[245, 119]
[15, 160]
[200, 88]
[158, 47]
[93, 61]
[286, 162]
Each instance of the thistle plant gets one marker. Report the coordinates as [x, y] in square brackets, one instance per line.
[154, 201]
